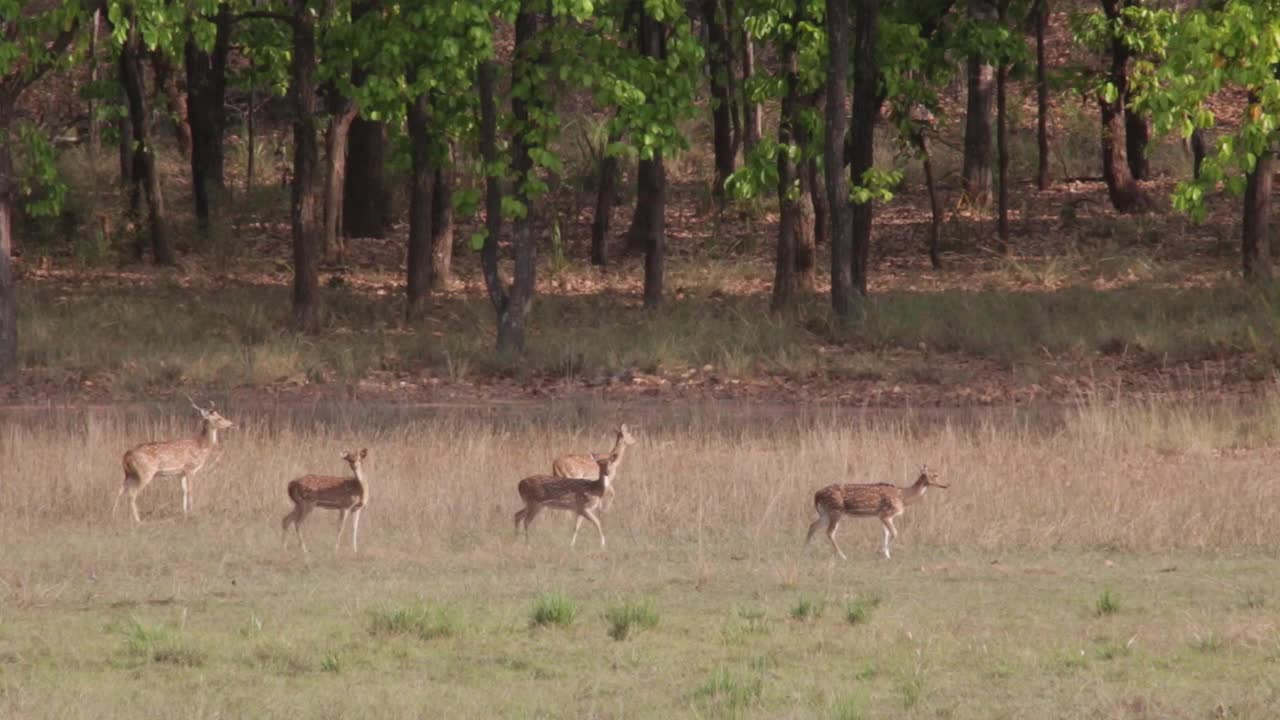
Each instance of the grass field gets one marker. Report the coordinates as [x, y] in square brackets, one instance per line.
[1106, 561]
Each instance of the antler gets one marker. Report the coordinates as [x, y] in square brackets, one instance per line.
[202, 411]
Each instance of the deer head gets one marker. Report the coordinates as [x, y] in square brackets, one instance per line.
[929, 478]
[211, 416]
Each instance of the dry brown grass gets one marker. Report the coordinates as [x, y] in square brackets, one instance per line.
[1134, 477]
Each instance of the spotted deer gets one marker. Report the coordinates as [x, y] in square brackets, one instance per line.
[881, 500]
[181, 458]
[344, 494]
[584, 467]
[576, 495]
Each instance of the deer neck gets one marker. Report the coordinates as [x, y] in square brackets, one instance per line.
[603, 483]
[913, 493]
[619, 449]
[208, 435]
[358, 473]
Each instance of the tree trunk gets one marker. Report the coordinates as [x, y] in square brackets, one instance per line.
[206, 109]
[752, 117]
[144, 165]
[251, 140]
[1137, 134]
[866, 110]
[125, 147]
[606, 198]
[1116, 172]
[8, 294]
[305, 196]
[485, 83]
[833, 155]
[935, 202]
[167, 83]
[442, 226]
[817, 193]
[734, 87]
[648, 224]
[977, 127]
[1198, 150]
[718, 60]
[511, 321]
[335, 157]
[365, 193]
[1042, 96]
[1002, 146]
[420, 202]
[95, 131]
[1256, 240]
[784, 277]
[365, 212]
[805, 228]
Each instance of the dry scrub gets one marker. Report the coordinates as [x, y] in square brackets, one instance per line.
[1135, 477]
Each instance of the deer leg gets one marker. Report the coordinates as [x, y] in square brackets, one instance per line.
[186, 497]
[890, 532]
[289, 519]
[833, 525]
[607, 499]
[530, 512]
[594, 521]
[342, 521]
[303, 511]
[355, 530]
[133, 505]
[576, 524]
[117, 502]
[519, 517]
[813, 527]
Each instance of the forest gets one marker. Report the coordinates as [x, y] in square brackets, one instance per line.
[928, 194]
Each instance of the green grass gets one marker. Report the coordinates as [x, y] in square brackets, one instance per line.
[630, 615]
[1106, 604]
[553, 609]
[417, 620]
[807, 608]
[858, 610]
[941, 631]
[238, 336]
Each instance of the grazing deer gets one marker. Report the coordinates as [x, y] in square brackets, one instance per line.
[183, 458]
[574, 494]
[880, 500]
[334, 493]
[585, 467]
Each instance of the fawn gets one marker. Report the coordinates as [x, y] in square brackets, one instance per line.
[182, 458]
[579, 496]
[344, 494]
[584, 467]
[880, 500]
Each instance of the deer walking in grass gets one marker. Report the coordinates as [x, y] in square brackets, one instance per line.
[344, 494]
[881, 500]
[181, 458]
[585, 467]
[576, 495]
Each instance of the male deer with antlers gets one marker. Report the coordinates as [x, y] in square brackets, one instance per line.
[346, 495]
[586, 466]
[576, 495]
[182, 458]
[880, 500]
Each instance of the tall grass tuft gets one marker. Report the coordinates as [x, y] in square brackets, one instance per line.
[158, 644]
[858, 610]
[416, 620]
[1106, 604]
[625, 616]
[553, 609]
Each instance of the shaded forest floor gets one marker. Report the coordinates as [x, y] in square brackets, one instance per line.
[1088, 304]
